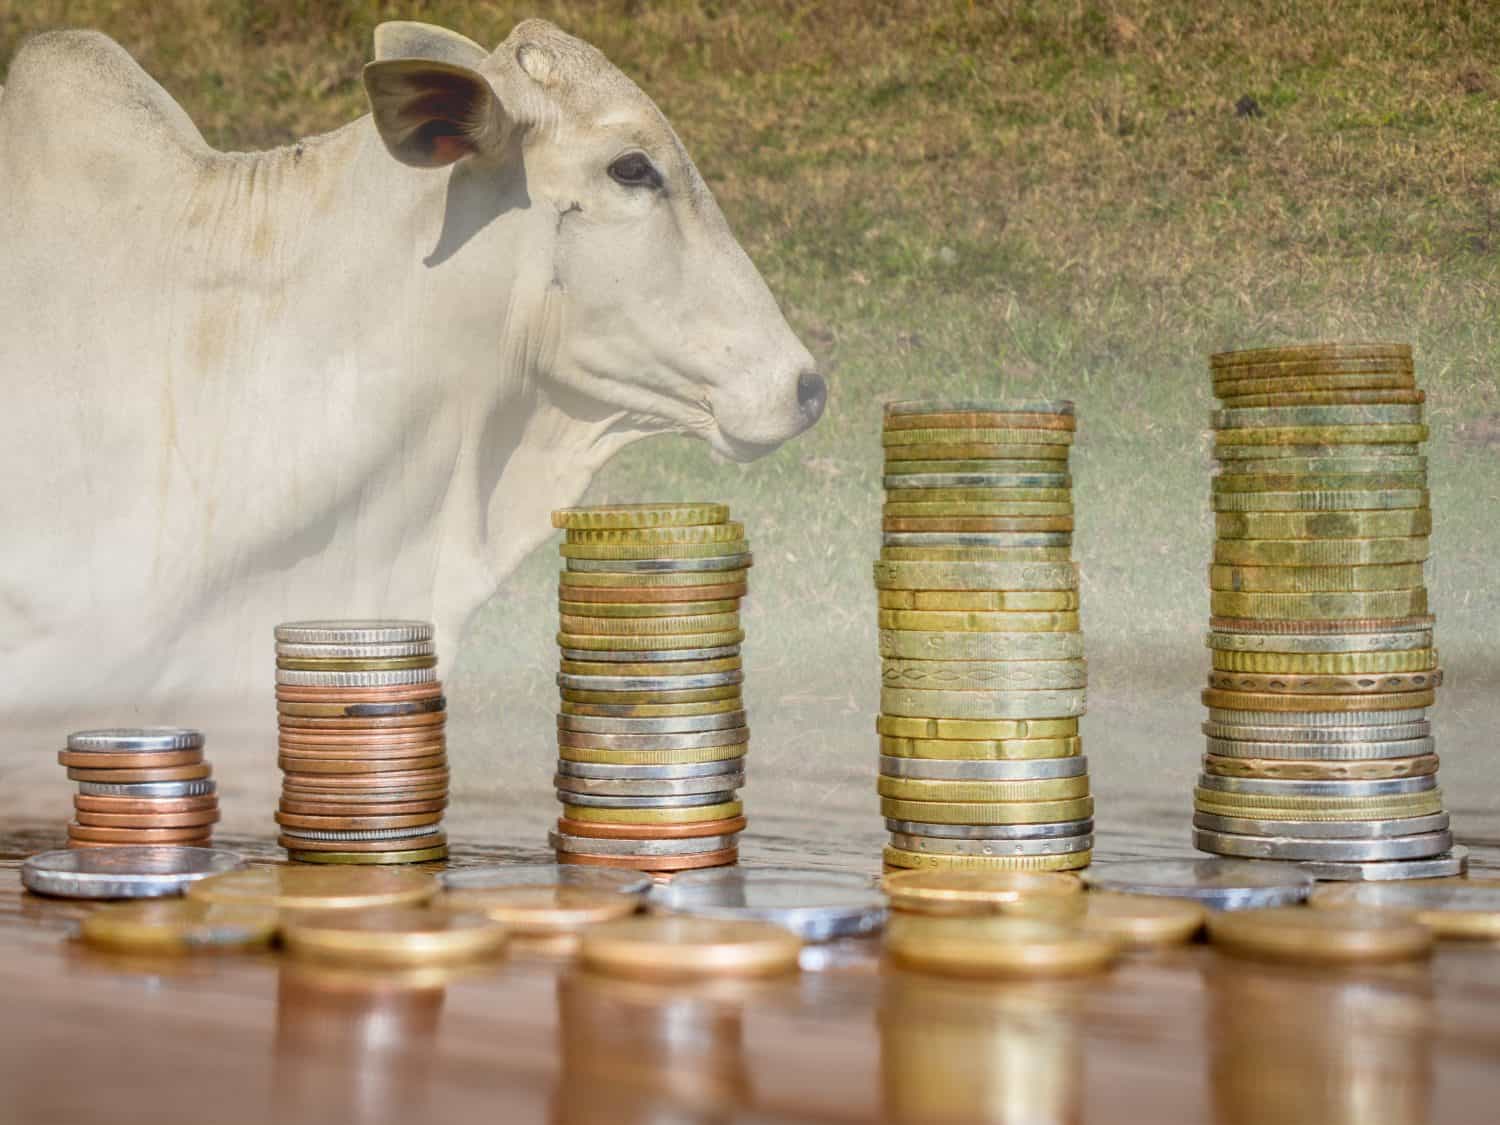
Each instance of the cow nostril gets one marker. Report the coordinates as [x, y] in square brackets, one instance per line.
[812, 394]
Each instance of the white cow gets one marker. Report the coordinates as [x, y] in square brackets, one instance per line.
[347, 377]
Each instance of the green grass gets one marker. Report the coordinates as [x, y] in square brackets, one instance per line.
[996, 199]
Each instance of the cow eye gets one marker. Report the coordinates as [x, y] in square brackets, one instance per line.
[635, 169]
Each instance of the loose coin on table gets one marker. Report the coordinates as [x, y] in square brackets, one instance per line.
[974, 892]
[311, 888]
[817, 905]
[124, 872]
[1450, 908]
[681, 947]
[1142, 920]
[393, 935]
[545, 898]
[1337, 935]
[996, 946]
[179, 925]
[1219, 884]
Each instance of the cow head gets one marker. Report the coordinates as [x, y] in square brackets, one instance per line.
[664, 323]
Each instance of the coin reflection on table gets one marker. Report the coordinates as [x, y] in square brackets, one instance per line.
[1314, 1046]
[1004, 1052]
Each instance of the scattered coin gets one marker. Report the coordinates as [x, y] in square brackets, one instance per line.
[1142, 920]
[178, 925]
[815, 904]
[303, 888]
[996, 946]
[1450, 907]
[973, 892]
[124, 872]
[1219, 884]
[1331, 936]
[683, 947]
[393, 935]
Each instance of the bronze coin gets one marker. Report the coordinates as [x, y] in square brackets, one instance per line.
[127, 806]
[356, 752]
[398, 844]
[85, 834]
[132, 777]
[340, 766]
[405, 693]
[723, 827]
[348, 710]
[405, 779]
[146, 820]
[205, 842]
[654, 863]
[318, 803]
[641, 595]
[315, 739]
[361, 807]
[344, 823]
[86, 759]
[344, 723]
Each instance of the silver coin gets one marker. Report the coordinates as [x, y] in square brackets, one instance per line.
[977, 406]
[1321, 752]
[645, 655]
[900, 481]
[1276, 787]
[671, 724]
[1451, 863]
[982, 704]
[1068, 828]
[1000, 539]
[944, 769]
[1450, 898]
[361, 833]
[1221, 884]
[1303, 848]
[906, 644]
[356, 652]
[891, 575]
[647, 787]
[399, 677]
[816, 904]
[731, 736]
[353, 632]
[648, 683]
[661, 566]
[127, 872]
[687, 801]
[984, 675]
[1353, 414]
[146, 788]
[1317, 718]
[115, 740]
[1317, 643]
[634, 883]
[1316, 737]
[935, 845]
[598, 845]
[649, 773]
[1324, 829]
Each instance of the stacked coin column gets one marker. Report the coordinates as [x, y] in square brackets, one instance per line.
[361, 719]
[651, 729]
[139, 785]
[983, 675]
[1319, 748]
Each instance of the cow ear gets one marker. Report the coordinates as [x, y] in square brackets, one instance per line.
[430, 114]
[408, 39]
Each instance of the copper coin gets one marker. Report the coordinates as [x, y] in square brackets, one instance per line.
[361, 766]
[602, 831]
[362, 806]
[131, 805]
[346, 710]
[85, 834]
[129, 777]
[403, 780]
[146, 820]
[435, 795]
[395, 844]
[313, 740]
[357, 752]
[356, 823]
[88, 759]
[206, 841]
[641, 595]
[656, 862]
[387, 723]
[406, 693]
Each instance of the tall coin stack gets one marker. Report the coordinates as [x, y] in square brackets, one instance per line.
[1319, 747]
[363, 757]
[983, 675]
[140, 785]
[651, 731]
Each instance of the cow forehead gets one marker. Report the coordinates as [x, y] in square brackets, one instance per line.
[580, 77]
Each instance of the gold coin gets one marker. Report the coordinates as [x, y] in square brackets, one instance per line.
[996, 454]
[1400, 433]
[931, 622]
[1323, 525]
[985, 601]
[1358, 396]
[664, 642]
[616, 580]
[1417, 765]
[975, 435]
[540, 909]
[339, 664]
[679, 946]
[692, 814]
[629, 552]
[1326, 663]
[988, 812]
[640, 515]
[1320, 607]
[1141, 921]
[1395, 682]
[413, 855]
[995, 946]
[1454, 907]
[648, 626]
[922, 789]
[1325, 937]
[1322, 353]
[954, 509]
[1259, 807]
[979, 750]
[641, 536]
[901, 726]
[902, 859]
[648, 609]
[651, 668]
[1322, 579]
[644, 698]
[393, 935]
[653, 757]
[974, 892]
[1334, 383]
[1258, 701]
[301, 888]
[178, 926]
[983, 495]
[1322, 552]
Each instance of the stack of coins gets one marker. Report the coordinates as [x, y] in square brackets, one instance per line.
[1319, 748]
[983, 673]
[651, 730]
[364, 764]
[142, 785]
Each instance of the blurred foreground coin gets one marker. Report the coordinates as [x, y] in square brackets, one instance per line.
[996, 946]
[1451, 908]
[1219, 884]
[676, 946]
[817, 905]
[317, 888]
[395, 935]
[127, 872]
[1332, 936]
[178, 926]
[974, 892]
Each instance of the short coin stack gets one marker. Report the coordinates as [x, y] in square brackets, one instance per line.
[651, 730]
[1319, 749]
[140, 785]
[983, 674]
[364, 762]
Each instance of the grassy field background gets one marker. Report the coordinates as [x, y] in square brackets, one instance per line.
[1070, 199]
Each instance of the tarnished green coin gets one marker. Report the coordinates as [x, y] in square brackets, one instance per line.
[1231, 390]
[640, 515]
[1352, 500]
[968, 495]
[919, 486]
[1388, 551]
[1320, 352]
[1259, 458]
[979, 419]
[1362, 396]
[997, 406]
[1313, 579]
[1006, 466]
[975, 576]
[1365, 466]
[900, 510]
[996, 455]
[1396, 434]
[1318, 482]
[976, 435]
[1319, 607]
[1342, 415]
[1323, 525]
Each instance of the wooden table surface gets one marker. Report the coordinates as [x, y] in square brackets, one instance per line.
[1179, 1036]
